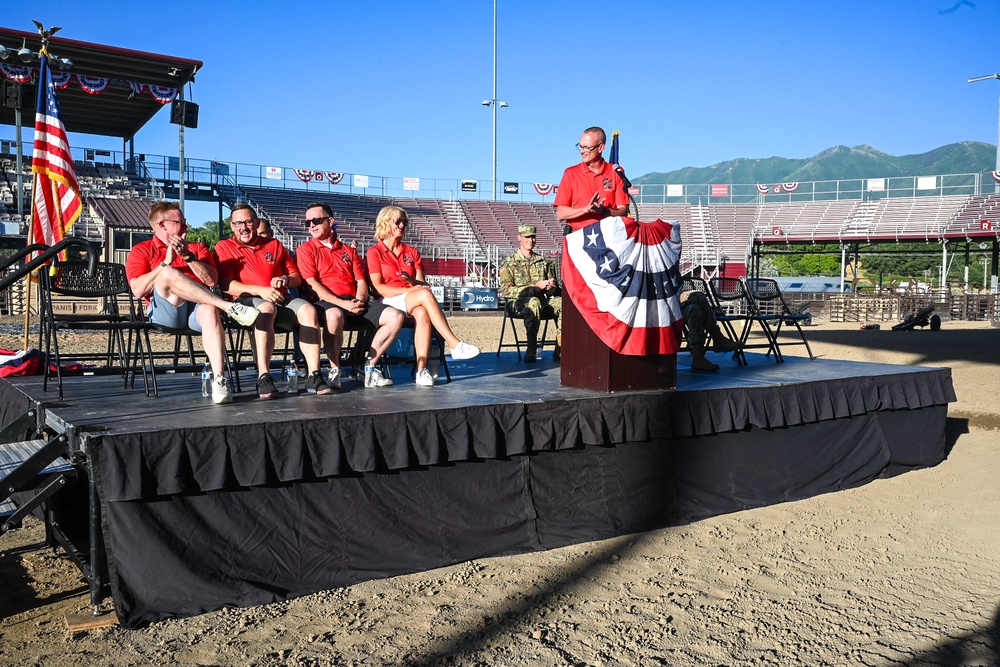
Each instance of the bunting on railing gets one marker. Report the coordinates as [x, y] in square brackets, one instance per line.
[790, 187]
[16, 73]
[305, 175]
[544, 188]
[996, 176]
[762, 189]
[334, 177]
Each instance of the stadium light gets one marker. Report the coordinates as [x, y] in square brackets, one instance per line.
[494, 102]
[985, 78]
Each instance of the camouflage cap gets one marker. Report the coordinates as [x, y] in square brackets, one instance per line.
[526, 230]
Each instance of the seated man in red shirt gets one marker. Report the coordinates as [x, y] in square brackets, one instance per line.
[336, 276]
[592, 190]
[258, 271]
[174, 277]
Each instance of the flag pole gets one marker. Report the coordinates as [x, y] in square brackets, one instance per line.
[27, 277]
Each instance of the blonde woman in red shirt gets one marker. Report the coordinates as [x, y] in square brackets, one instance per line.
[397, 274]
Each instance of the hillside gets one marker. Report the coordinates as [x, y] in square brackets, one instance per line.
[837, 163]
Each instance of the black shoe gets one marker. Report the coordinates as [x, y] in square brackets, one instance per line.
[315, 384]
[531, 354]
[265, 387]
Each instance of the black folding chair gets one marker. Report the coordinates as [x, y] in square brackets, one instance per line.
[115, 315]
[732, 294]
[725, 319]
[509, 315]
[770, 304]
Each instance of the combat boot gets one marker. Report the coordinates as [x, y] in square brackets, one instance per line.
[699, 363]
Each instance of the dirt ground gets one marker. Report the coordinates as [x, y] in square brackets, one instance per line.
[903, 571]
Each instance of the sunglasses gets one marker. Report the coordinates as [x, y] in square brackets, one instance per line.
[312, 222]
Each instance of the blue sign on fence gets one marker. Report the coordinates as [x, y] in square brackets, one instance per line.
[478, 298]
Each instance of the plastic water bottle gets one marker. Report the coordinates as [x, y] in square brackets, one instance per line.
[433, 359]
[206, 379]
[292, 375]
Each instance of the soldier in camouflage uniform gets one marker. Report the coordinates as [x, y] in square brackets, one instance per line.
[528, 282]
[700, 323]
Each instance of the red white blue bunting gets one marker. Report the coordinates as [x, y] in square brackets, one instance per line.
[92, 85]
[16, 73]
[790, 187]
[305, 175]
[996, 176]
[623, 277]
[762, 189]
[162, 94]
[61, 79]
[334, 177]
[544, 188]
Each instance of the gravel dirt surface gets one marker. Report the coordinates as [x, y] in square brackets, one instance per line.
[902, 571]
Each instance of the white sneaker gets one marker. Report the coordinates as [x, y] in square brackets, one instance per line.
[424, 378]
[464, 351]
[374, 377]
[333, 378]
[244, 315]
[220, 390]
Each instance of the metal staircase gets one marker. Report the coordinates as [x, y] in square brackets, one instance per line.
[33, 469]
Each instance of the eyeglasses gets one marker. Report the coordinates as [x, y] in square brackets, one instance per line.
[312, 222]
[401, 223]
[179, 222]
[243, 223]
[587, 149]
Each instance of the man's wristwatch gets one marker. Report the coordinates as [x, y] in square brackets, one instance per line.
[190, 257]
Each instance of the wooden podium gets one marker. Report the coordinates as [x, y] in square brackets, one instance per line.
[587, 363]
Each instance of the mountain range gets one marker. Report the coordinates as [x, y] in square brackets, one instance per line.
[837, 163]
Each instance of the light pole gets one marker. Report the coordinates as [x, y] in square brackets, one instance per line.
[495, 103]
[984, 78]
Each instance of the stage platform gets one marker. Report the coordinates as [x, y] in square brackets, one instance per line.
[205, 506]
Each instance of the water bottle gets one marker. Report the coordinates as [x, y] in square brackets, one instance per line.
[292, 375]
[433, 359]
[206, 379]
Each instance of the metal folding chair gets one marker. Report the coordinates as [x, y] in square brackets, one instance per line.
[732, 294]
[770, 304]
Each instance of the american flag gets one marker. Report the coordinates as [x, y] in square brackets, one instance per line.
[57, 201]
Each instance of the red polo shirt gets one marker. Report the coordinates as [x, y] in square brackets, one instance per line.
[338, 268]
[253, 263]
[383, 261]
[579, 184]
[146, 256]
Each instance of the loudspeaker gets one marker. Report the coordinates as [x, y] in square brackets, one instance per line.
[12, 95]
[184, 113]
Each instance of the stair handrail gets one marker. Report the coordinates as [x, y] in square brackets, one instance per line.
[48, 252]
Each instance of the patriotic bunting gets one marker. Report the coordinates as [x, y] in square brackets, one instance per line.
[762, 189]
[790, 187]
[162, 94]
[55, 194]
[544, 188]
[334, 177]
[623, 276]
[92, 85]
[996, 176]
[305, 175]
[61, 79]
[16, 73]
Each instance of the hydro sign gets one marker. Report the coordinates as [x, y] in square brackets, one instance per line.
[478, 298]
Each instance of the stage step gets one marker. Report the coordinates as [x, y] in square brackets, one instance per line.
[30, 465]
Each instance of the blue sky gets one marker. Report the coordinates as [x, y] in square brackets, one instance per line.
[395, 88]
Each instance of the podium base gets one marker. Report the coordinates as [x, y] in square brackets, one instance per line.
[587, 363]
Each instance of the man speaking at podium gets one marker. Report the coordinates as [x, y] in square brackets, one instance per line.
[592, 190]
[621, 317]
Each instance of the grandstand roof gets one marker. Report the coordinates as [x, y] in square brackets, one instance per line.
[110, 113]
